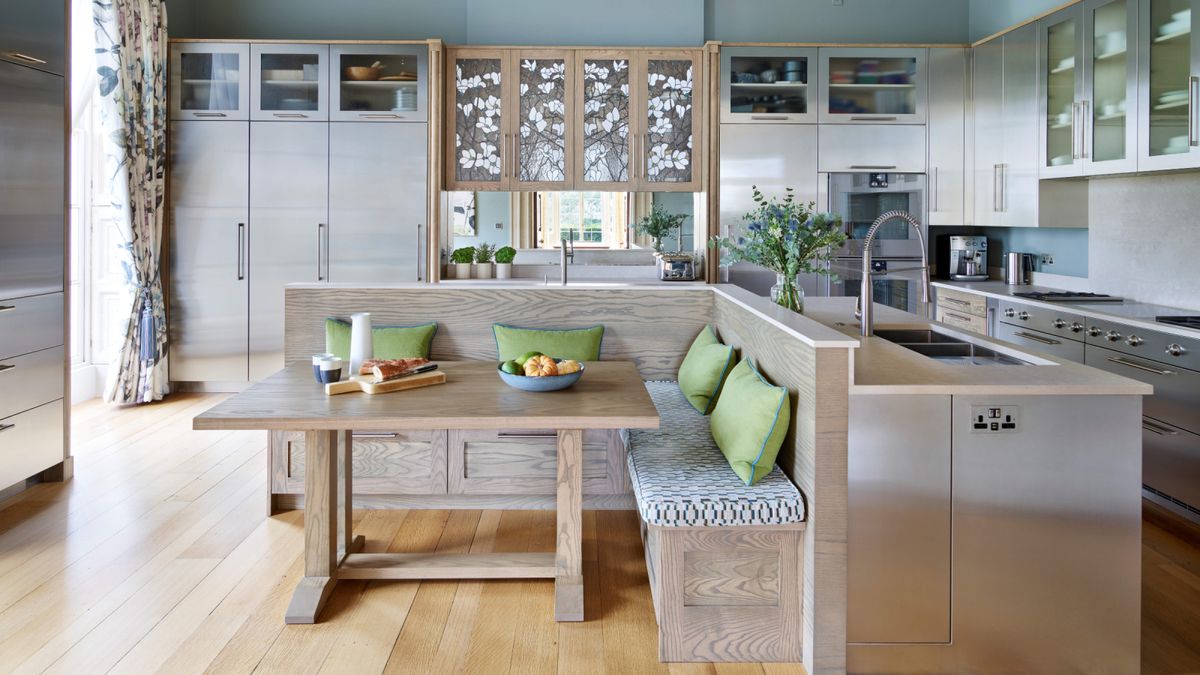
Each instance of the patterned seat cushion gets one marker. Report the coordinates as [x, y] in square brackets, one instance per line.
[681, 479]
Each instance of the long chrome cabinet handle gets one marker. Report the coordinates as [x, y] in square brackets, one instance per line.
[1134, 364]
[1193, 108]
[26, 58]
[769, 118]
[933, 190]
[1038, 338]
[241, 251]
[1084, 122]
[1156, 429]
[956, 301]
[6, 366]
[1004, 187]
[996, 188]
[381, 116]
[7, 308]
[209, 114]
[420, 251]
[366, 434]
[291, 116]
[514, 434]
[6, 427]
[320, 248]
[872, 166]
[872, 118]
[1075, 152]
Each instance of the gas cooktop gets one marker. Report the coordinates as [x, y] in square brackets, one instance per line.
[1067, 296]
[1184, 321]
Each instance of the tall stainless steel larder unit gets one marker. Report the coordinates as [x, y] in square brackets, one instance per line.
[210, 203]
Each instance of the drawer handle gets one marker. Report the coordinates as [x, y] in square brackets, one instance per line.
[1134, 364]
[209, 114]
[875, 118]
[6, 427]
[364, 434]
[7, 308]
[517, 434]
[26, 58]
[1037, 338]
[1155, 429]
[7, 366]
[956, 301]
[291, 116]
[872, 166]
[381, 116]
[769, 118]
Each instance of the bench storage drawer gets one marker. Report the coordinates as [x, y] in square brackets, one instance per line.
[402, 462]
[518, 462]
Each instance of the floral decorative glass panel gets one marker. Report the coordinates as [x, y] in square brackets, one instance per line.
[669, 120]
[606, 120]
[543, 142]
[477, 119]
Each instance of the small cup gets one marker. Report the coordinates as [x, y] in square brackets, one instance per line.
[330, 370]
[316, 364]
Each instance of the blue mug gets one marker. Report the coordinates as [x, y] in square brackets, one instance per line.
[316, 364]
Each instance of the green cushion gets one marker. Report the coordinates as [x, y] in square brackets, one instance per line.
[387, 342]
[750, 421]
[581, 344]
[704, 369]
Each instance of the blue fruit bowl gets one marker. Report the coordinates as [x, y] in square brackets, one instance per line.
[544, 383]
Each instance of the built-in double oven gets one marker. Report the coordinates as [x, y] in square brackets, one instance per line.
[860, 198]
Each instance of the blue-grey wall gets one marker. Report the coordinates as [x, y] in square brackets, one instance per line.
[992, 16]
[575, 22]
[1067, 246]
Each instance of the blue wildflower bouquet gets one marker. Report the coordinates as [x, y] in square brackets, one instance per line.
[787, 237]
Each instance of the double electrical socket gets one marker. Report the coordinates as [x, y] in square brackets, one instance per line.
[987, 419]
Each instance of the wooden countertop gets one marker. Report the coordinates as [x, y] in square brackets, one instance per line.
[610, 395]
[882, 367]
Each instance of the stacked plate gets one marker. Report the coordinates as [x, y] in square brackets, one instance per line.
[406, 98]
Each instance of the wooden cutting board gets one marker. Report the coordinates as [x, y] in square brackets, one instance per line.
[365, 385]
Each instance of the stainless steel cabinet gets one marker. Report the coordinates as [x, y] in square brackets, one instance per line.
[209, 221]
[1171, 460]
[289, 227]
[33, 33]
[376, 201]
[1060, 93]
[768, 85]
[1036, 340]
[210, 81]
[31, 442]
[31, 182]
[946, 130]
[1168, 85]
[871, 147]
[873, 85]
[289, 82]
[379, 83]
[1006, 134]
[772, 157]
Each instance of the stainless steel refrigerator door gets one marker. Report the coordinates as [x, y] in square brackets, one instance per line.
[33, 33]
[31, 182]
[210, 166]
[772, 157]
[289, 196]
[377, 197]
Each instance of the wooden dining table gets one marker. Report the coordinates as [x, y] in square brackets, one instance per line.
[610, 395]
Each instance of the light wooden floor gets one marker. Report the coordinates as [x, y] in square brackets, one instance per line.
[157, 557]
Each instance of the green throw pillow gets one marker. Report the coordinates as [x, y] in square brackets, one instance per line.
[704, 369]
[581, 344]
[750, 421]
[387, 342]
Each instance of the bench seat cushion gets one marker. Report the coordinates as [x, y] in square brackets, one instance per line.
[681, 479]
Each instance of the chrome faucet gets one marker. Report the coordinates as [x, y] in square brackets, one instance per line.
[866, 296]
[566, 251]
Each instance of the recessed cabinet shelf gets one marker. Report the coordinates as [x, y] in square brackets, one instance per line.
[1172, 36]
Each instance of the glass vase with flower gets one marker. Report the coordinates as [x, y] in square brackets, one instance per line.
[787, 237]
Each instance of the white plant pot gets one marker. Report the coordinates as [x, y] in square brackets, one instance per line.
[483, 270]
[503, 270]
[462, 270]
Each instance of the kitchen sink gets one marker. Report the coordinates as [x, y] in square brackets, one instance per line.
[948, 348]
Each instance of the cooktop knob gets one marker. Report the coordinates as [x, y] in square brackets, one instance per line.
[1059, 323]
[1010, 312]
[1024, 316]
[1175, 349]
[1076, 327]
[1112, 336]
[1133, 341]
[1095, 332]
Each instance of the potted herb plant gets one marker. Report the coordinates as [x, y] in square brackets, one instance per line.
[462, 258]
[483, 260]
[659, 223]
[787, 237]
[504, 260]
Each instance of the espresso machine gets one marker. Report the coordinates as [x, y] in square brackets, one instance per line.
[963, 258]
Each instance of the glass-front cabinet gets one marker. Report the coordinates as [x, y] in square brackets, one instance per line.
[476, 156]
[873, 86]
[210, 81]
[1169, 86]
[607, 91]
[1060, 61]
[670, 133]
[1110, 86]
[540, 131]
[379, 83]
[764, 85]
[289, 82]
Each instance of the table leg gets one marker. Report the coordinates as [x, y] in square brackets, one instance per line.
[320, 528]
[568, 558]
[347, 542]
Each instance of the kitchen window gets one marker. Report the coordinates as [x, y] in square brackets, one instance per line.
[590, 219]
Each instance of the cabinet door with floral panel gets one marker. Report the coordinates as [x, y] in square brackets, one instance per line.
[605, 96]
[544, 82]
[475, 103]
[669, 146]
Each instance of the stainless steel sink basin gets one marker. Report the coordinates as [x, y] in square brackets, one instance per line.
[947, 348]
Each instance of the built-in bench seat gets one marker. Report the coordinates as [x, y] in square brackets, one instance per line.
[724, 559]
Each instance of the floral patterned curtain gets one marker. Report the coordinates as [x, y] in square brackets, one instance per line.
[131, 60]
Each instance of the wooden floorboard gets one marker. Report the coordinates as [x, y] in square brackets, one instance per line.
[158, 557]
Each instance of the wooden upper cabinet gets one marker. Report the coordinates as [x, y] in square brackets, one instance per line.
[547, 119]
[476, 156]
[670, 124]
